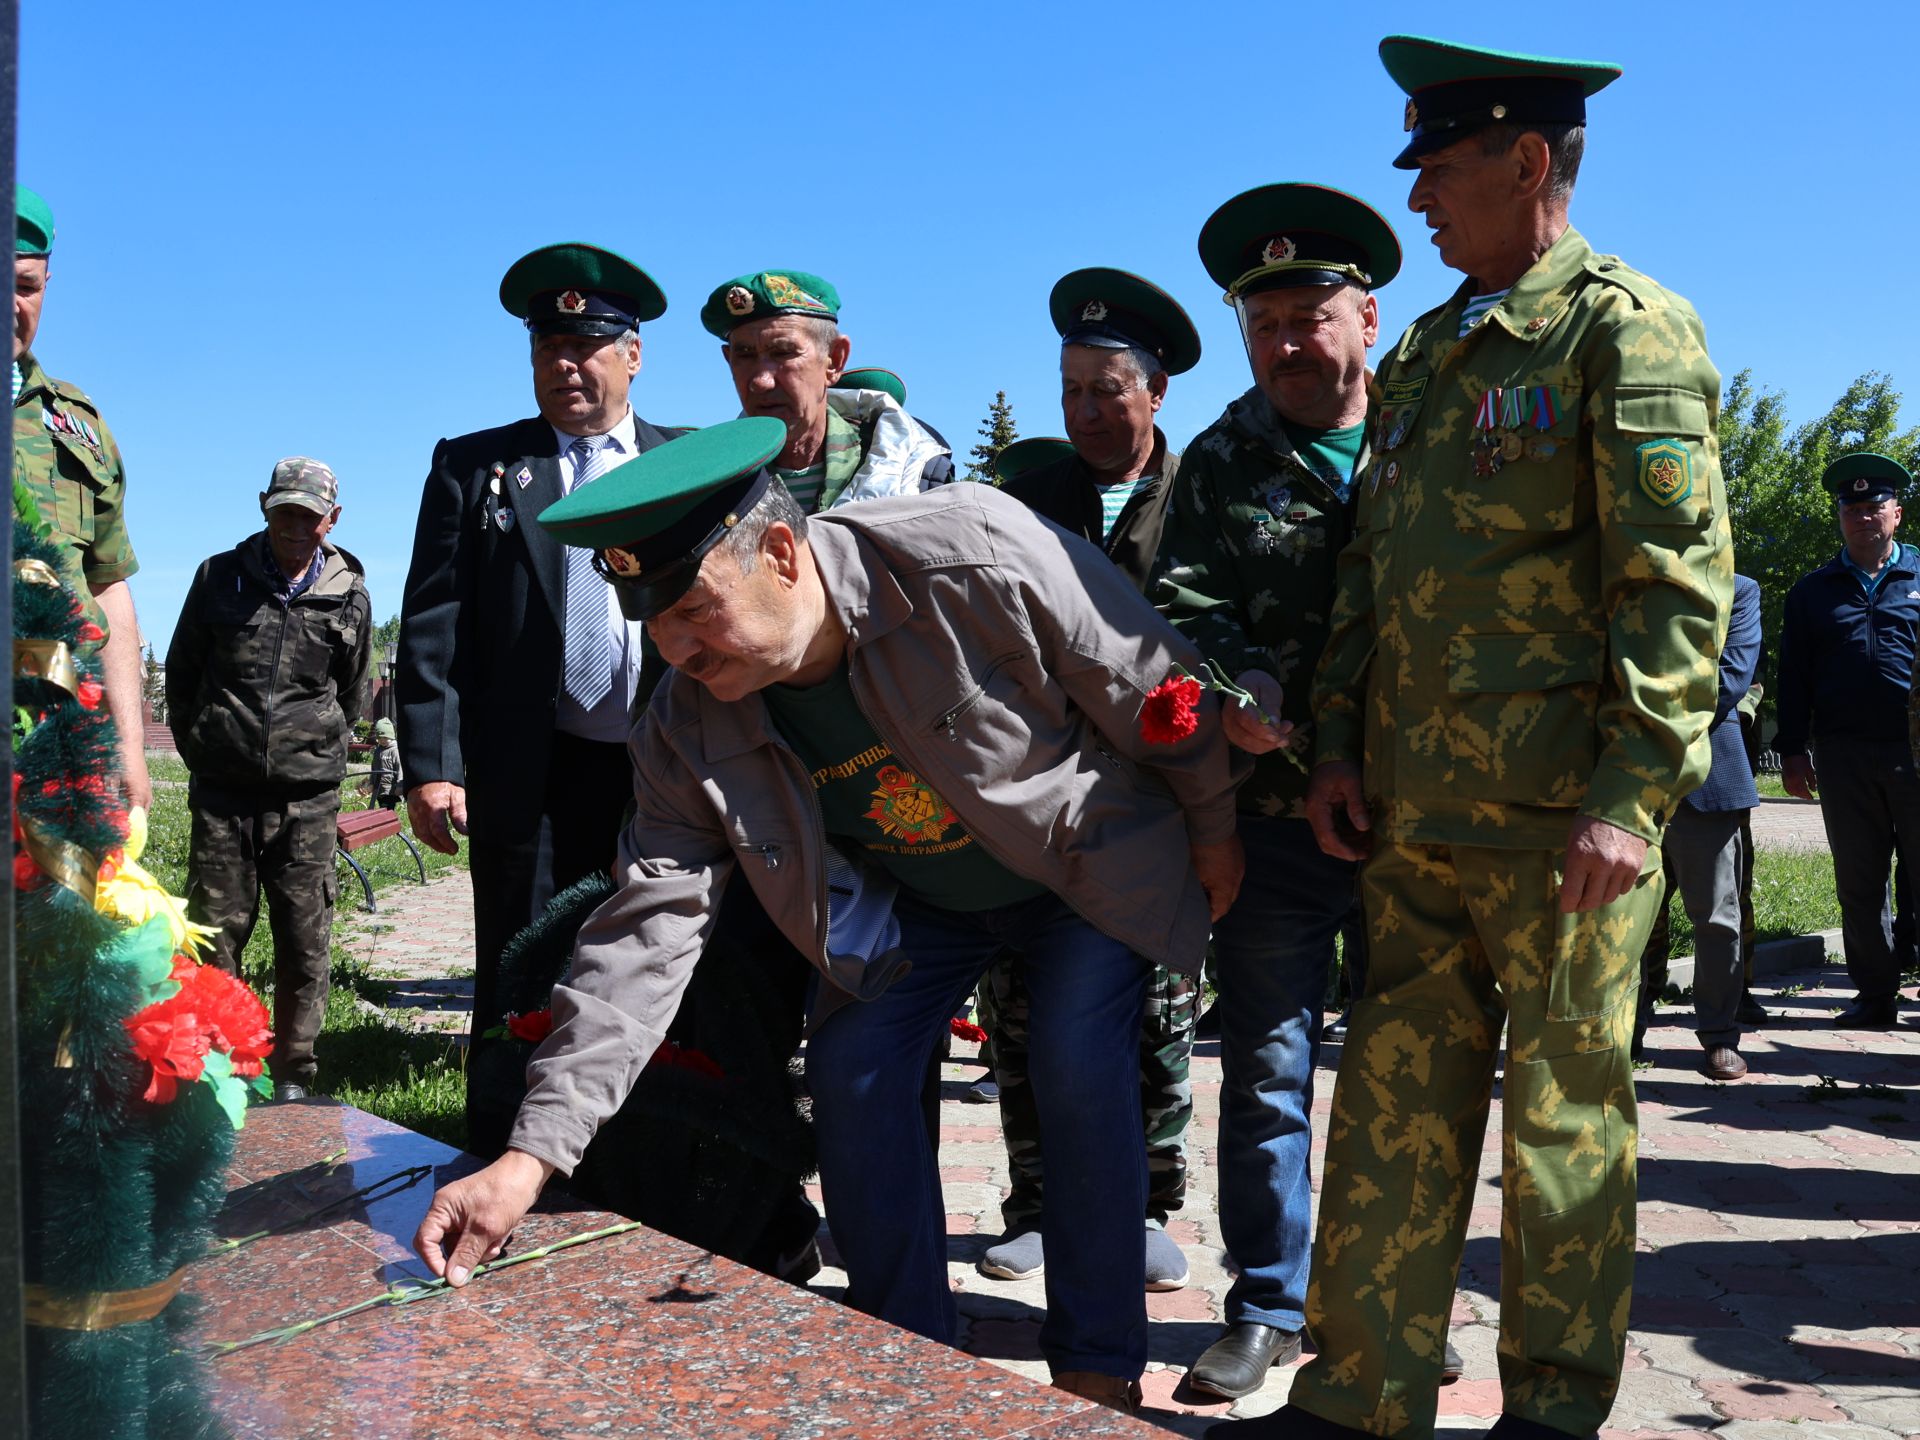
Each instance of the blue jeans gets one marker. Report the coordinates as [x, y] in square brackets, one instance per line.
[1272, 952]
[878, 1176]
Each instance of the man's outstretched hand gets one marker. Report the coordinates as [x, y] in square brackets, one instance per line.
[470, 1219]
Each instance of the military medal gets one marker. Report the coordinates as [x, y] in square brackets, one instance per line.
[1260, 541]
[1540, 447]
[1511, 446]
[1487, 454]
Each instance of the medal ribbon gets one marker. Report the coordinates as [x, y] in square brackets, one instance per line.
[1546, 409]
[1484, 417]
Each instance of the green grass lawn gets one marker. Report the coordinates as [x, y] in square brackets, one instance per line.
[368, 1055]
[1792, 895]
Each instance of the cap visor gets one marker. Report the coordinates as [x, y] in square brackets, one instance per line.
[300, 498]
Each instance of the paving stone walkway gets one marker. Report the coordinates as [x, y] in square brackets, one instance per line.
[1777, 1293]
[1788, 824]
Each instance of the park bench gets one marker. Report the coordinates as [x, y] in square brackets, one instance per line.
[358, 828]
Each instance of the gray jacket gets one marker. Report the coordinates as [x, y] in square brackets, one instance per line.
[1005, 662]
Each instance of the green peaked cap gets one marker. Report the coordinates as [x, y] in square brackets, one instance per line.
[33, 223]
[653, 519]
[1291, 234]
[1454, 90]
[575, 288]
[1024, 456]
[768, 292]
[1864, 475]
[1113, 308]
[874, 378]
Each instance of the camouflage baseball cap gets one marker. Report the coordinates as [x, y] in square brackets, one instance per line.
[303, 482]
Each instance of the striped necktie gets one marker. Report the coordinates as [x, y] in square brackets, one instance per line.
[589, 645]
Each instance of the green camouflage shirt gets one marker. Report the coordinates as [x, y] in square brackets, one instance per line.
[1246, 569]
[1515, 641]
[67, 456]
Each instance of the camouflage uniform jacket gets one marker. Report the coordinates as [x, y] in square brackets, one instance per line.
[1246, 569]
[1066, 493]
[1514, 644]
[262, 693]
[66, 455]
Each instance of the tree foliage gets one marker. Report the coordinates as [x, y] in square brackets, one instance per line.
[1783, 519]
[997, 432]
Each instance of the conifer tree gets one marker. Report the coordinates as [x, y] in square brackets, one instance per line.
[997, 432]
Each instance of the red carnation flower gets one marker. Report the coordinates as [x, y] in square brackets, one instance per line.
[89, 694]
[679, 1057]
[26, 874]
[91, 632]
[535, 1025]
[967, 1030]
[1168, 714]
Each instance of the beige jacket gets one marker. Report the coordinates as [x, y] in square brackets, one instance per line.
[1005, 661]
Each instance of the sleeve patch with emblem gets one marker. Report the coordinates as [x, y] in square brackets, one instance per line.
[1666, 471]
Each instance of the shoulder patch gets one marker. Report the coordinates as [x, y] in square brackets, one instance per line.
[1666, 471]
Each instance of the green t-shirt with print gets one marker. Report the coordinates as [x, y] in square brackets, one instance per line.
[896, 820]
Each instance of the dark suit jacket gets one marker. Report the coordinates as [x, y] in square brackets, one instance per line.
[480, 624]
[1729, 783]
[1065, 493]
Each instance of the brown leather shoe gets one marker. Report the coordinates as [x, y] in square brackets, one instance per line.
[1108, 1390]
[1723, 1062]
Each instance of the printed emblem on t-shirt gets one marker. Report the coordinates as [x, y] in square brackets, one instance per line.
[906, 808]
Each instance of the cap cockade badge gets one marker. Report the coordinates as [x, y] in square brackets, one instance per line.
[739, 301]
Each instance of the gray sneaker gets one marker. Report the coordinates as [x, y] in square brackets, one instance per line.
[1018, 1257]
[1166, 1266]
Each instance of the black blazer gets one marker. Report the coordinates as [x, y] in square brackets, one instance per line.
[478, 679]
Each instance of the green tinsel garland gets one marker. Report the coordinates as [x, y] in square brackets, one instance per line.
[119, 1194]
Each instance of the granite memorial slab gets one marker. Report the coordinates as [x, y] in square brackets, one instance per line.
[634, 1334]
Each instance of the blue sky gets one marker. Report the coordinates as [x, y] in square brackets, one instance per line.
[281, 228]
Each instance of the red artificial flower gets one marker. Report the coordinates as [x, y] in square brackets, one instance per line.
[91, 632]
[26, 874]
[211, 1010]
[173, 1042]
[536, 1025]
[89, 694]
[235, 1019]
[967, 1030]
[680, 1058]
[1168, 714]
